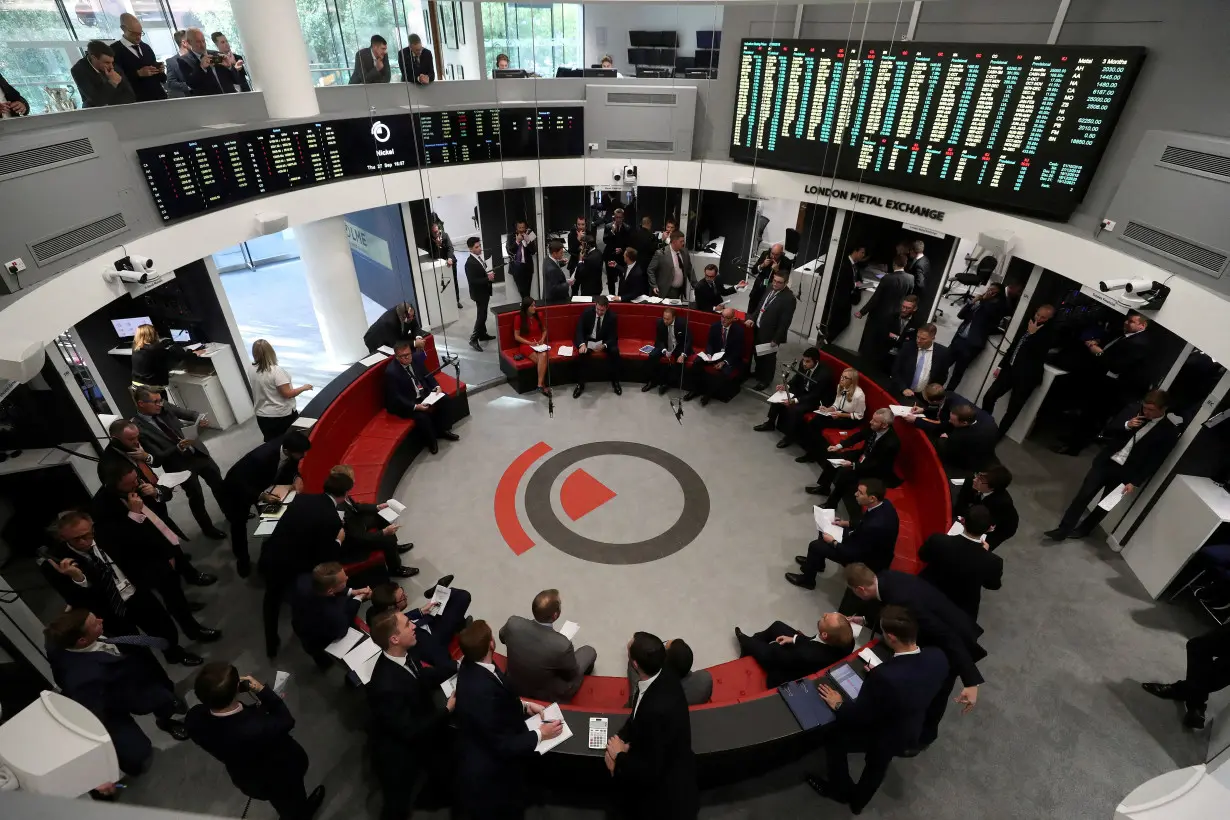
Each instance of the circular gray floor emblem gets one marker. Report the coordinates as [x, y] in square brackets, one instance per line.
[542, 517]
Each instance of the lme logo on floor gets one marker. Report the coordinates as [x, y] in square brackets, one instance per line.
[581, 494]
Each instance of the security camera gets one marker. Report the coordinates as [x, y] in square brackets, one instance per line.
[1139, 285]
[130, 277]
[630, 173]
[1107, 285]
[138, 263]
[616, 175]
[133, 270]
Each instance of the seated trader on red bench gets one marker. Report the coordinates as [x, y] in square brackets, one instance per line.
[368, 532]
[437, 626]
[786, 654]
[881, 446]
[920, 362]
[407, 386]
[871, 541]
[322, 607]
[725, 337]
[810, 387]
[542, 663]
[671, 343]
[697, 686]
[598, 331]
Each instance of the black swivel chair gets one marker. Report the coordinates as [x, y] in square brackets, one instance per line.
[974, 277]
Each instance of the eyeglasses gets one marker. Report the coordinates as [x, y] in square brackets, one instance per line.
[84, 538]
[155, 400]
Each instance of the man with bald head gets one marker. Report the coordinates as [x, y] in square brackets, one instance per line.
[706, 378]
[786, 654]
[136, 61]
[542, 663]
[200, 71]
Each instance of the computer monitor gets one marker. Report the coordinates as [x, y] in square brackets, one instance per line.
[699, 73]
[656, 73]
[508, 73]
[180, 335]
[127, 328]
[569, 72]
[600, 72]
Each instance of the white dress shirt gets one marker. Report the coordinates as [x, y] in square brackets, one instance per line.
[924, 377]
[642, 687]
[915, 651]
[1121, 457]
[125, 587]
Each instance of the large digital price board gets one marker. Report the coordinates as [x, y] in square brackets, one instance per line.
[1014, 127]
[188, 178]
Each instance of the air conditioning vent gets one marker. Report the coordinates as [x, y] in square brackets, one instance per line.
[44, 157]
[54, 247]
[641, 146]
[1215, 166]
[1197, 257]
[640, 98]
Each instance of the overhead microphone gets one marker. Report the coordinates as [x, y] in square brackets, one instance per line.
[677, 406]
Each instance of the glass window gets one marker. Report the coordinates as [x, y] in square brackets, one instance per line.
[31, 57]
[330, 64]
[207, 15]
[536, 37]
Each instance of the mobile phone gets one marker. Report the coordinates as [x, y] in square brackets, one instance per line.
[245, 686]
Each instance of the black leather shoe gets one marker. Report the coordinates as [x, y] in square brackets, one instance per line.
[404, 548]
[801, 560]
[460, 306]
[800, 580]
[704, 401]
[1067, 450]
[474, 345]
[784, 443]
[805, 459]
[185, 658]
[1193, 718]
[486, 338]
[1079, 533]
[1057, 534]
[174, 728]
[764, 427]
[314, 801]
[449, 435]
[691, 394]
[646, 387]
[1165, 691]
[577, 391]
[760, 386]
[619, 391]
[433, 448]
[196, 606]
[181, 706]
[825, 789]
[446, 581]
[213, 532]
[243, 567]
[916, 750]
[404, 572]
[206, 635]
[201, 579]
[816, 489]
[662, 388]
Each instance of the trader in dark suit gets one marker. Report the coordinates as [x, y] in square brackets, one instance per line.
[989, 488]
[371, 64]
[617, 238]
[597, 332]
[115, 677]
[12, 104]
[252, 741]
[97, 80]
[522, 247]
[87, 577]
[709, 293]
[136, 60]
[670, 270]
[877, 459]
[979, 319]
[920, 362]
[395, 324]
[416, 63]
[919, 265]
[896, 331]
[555, 285]
[632, 283]
[1138, 440]
[786, 654]
[887, 717]
[479, 280]
[442, 249]
[651, 756]
[961, 566]
[645, 240]
[576, 238]
[884, 303]
[124, 447]
[436, 626]
[407, 385]
[1111, 376]
[1208, 670]
[769, 319]
[1020, 371]
[843, 292]
[725, 337]
[810, 387]
[772, 261]
[367, 531]
[586, 268]
[968, 445]
[495, 746]
[940, 624]
[671, 345]
[409, 733]
[232, 62]
[871, 541]
[542, 663]
[274, 463]
[199, 70]
[323, 607]
[162, 437]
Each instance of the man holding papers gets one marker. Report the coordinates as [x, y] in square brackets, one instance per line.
[651, 757]
[961, 565]
[373, 528]
[875, 460]
[810, 387]
[989, 488]
[409, 733]
[770, 320]
[411, 392]
[495, 744]
[542, 663]
[786, 654]
[671, 345]
[710, 292]
[251, 481]
[322, 608]
[871, 541]
[1138, 440]
[632, 282]
[597, 332]
[438, 620]
[721, 362]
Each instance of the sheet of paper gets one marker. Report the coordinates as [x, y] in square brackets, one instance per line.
[193, 346]
[174, 479]
[433, 397]
[957, 528]
[264, 528]
[375, 358]
[449, 686]
[565, 351]
[956, 481]
[837, 462]
[647, 349]
[280, 679]
[596, 347]
[901, 410]
[385, 349]
[766, 348]
[552, 712]
[654, 300]
[640, 299]
[289, 497]
[569, 629]
[540, 348]
[672, 302]
[192, 432]
[716, 357]
[393, 510]
[780, 397]
[873, 660]
[303, 423]
[362, 659]
[583, 299]
[441, 596]
[340, 647]
[824, 522]
[1112, 498]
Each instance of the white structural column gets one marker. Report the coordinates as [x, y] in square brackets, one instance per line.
[334, 287]
[276, 55]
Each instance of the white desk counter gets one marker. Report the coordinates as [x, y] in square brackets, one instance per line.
[1180, 523]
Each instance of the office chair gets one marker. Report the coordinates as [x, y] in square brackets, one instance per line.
[974, 276]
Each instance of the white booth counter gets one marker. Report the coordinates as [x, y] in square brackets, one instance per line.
[211, 384]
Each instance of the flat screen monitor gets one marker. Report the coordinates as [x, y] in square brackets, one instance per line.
[508, 73]
[178, 335]
[127, 328]
[1014, 127]
[600, 72]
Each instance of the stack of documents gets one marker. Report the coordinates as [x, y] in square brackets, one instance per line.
[824, 523]
[362, 659]
[433, 397]
[339, 648]
[1112, 498]
[393, 510]
[303, 423]
[901, 410]
[780, 397]
[654, 300]
[565, 351]
[552, 712]
[449, 686]
[585, 299]
[716, 357]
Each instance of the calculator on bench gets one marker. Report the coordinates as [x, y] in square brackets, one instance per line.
[597, 732]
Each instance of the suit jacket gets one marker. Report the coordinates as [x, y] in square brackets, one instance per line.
[399, 393]
[11, 94]
[389, 329]
[1004, 517]
[734, 346]
[761, 278]
[96, 90]
[970, 448]
[305, 535]
[574, 242]
[679, 327]
[542, 664]
[405, 718]
[1148, 451]
[164, 446]
[1029, 351]
[554, 282]
[1125, 357]
[697, 687]
[256, 471]
[774, 324]
[907, 359]
[609, 334]
[184, 70]
[892, 705]
[876, 460]
[978, 319]
[615, 242]
[961, 569]
[138, 548]
[94, 597]
[144, 89]
[476, 278]
[887, 348]
[255, 745]
[817, 390]
[152, 364]
[646, 243]
[411, 67]
[632, 283]
[365, 71]
[804, 657]
[444, 250]
[941, 623]
[494, 747]
[239, 76]
[662, 273]
[921, 269]
[709, 295]
[530, 250]
[885, 301]
[873, 540]
[319, 620]
[588, 273]
[658, 772]
[841, 298]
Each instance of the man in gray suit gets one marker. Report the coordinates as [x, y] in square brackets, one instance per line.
[670, 270]
[770, 321]
[542, 664]
[697, 686]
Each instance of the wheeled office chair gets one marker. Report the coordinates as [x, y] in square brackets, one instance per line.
[974, 277]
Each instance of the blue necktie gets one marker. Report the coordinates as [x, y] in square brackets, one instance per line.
[918, 369]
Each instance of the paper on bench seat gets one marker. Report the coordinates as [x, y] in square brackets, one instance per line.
[340, 647]
[303, 423]
[583, 299]
[375, 358]
[565, 351]
[394, 509]
[824, 522]
[552, 712]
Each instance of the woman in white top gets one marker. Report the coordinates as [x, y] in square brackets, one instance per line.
[274, 397]
[847, 412]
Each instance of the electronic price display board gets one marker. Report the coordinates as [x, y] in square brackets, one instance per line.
[1014, 127]
[451, 137]
[488, 134]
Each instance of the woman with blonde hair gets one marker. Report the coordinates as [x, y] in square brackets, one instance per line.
[846, 413]
[153, 357]
[273, 394]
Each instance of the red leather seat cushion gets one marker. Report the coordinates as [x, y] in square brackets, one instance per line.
[736, 680]
[601, 692]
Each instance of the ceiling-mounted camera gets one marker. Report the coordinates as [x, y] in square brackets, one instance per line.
[134, 270]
